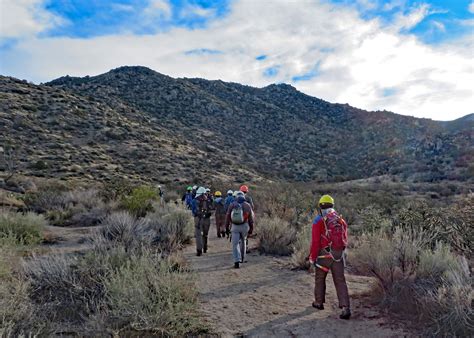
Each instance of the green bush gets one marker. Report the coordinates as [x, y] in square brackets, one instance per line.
[140, 201]
[276, 236]
[23, 228]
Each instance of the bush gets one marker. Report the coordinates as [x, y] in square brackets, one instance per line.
[275, 236]
[23, 228]
[140, 201]
[431, 285]
[111, 289]
[174, 227]
[299, 259]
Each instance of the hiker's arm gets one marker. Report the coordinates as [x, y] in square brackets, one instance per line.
[227, 217]
[251, 221]
[315, 241]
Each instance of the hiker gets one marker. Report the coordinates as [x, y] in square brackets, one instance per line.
[220, 213]
[161, 194]
[194, 191]
[229, 199]
[240, 215]
[248, 198]
[187, 198]
[329, 240]
[209, 196]
[201, 210]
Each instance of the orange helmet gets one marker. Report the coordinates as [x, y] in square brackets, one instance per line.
[244, 189]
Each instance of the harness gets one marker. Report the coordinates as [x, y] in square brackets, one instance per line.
[328, 249]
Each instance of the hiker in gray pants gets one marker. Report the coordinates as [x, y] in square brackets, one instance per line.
[240, 215]
[239, 244]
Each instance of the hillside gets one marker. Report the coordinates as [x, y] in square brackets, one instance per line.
[136, 122]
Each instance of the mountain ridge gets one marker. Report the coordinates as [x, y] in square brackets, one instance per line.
[217, 129]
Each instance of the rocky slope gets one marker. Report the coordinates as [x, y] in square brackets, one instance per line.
[136, 122]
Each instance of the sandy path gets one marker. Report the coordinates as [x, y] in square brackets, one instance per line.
[265, 298]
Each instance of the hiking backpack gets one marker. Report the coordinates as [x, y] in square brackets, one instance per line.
[237, 214]
[336, 231]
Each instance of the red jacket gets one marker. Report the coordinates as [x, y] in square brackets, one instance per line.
[318, 235]
[317, 241]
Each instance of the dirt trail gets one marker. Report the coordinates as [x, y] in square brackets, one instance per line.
[265, 298]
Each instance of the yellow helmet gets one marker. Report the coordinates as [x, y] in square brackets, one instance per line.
[217, 194]
[326, 199]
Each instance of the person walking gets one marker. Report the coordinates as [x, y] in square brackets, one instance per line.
[220, 213]
[201, 210]
[248, 198]
[328, 242]
[240, 216]
[187, 198]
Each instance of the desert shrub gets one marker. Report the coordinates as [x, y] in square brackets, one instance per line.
[78, 207]
[23, 228]
[173, 225]
[123, 229]
[147, 296]
[372, 219]
[140, 201]
[110, 288]
[276, 236]
[432, 285]
[299, 258]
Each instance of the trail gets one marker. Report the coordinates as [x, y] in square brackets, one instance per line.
[265, 298]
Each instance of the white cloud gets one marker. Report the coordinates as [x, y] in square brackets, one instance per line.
[471, 7]
[157, 8]
[20, 18]
[359, 61]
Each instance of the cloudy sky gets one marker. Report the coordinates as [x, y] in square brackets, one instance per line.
[410, 57]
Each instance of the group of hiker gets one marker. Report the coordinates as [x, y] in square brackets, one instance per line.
[234, 217]
[233, 214]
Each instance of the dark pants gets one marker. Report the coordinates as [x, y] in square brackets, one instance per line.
[337, 271]
[201, 231]
[220, 223]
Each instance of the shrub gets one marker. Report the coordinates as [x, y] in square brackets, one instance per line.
[139, 201]
[146, 296]
[111, 289]
[123, 229]
[432, 285]
[174, 227]
[23, 228]
[275, 236]
[299, 259]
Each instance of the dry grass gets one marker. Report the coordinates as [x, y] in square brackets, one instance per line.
[276, 236]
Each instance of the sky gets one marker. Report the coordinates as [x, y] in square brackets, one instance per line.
[412, 57]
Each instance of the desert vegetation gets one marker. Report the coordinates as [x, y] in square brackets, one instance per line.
[131, 280]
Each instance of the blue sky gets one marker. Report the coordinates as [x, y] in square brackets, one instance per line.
[413, 57]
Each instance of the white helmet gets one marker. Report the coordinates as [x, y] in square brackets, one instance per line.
[230, 192]
[239, 193]
[200, 191]
[195, 187]
[208, 190]
[235, 193]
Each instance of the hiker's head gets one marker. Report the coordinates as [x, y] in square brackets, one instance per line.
[326, 202]
[201, 191]
[244, 189]
[195, 187]
[189, 188]
[230, 192]
[240, 196]
[218, 194]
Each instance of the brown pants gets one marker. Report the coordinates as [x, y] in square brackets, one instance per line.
[220, 223]
[337, 271]
[201, 231]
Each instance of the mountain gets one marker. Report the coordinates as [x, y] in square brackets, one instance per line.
[136, 122]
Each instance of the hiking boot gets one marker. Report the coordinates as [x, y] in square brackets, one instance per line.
[236, 265]
[318, 306]
[346, 313]
[198, 253]
[205, 250]
[218, 235]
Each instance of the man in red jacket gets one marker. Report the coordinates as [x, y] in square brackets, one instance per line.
[329, 239]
